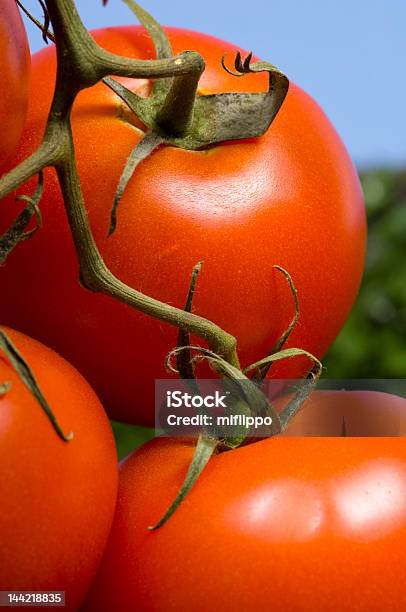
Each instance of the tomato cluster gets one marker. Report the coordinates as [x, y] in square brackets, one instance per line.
[286, 523]
[291, 197]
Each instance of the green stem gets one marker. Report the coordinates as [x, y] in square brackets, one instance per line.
[176, 114]
[97, 277]
[89, 63]
[47, 155]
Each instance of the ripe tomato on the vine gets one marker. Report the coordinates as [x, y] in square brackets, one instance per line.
[291, 198]
[57, 498]
[14, 78]
[288, 523]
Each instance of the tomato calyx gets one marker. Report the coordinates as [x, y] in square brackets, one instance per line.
[174, 114]
[27, 377]
[245, 395]
[253, 403]
[248, 401]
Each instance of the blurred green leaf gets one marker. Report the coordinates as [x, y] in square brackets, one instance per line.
[372, 343]
[129, 437]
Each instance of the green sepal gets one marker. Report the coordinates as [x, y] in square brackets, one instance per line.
[184, 358]
[28, 379]
[206, 446]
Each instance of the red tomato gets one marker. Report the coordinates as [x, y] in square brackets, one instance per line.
[292, 524]
[14, 78]
[57, 498]
[290, 198]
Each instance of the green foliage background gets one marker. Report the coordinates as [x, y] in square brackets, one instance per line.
[372, 343]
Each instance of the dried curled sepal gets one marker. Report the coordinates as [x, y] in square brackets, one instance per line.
[235, 116]
[18, 231]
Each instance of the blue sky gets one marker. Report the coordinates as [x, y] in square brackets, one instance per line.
[349, 54]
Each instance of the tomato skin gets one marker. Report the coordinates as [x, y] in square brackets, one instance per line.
[289, 523]
[290, 198]
[57, 498]
[14, 78]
